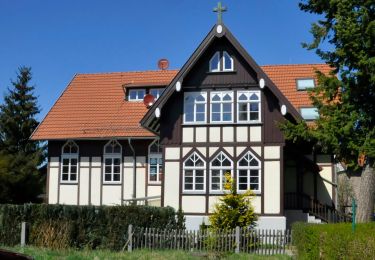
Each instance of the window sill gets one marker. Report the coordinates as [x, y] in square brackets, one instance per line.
[194, 193]
[222, 72]
[112, 182]
[221, 124]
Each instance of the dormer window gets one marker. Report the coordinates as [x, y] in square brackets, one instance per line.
[221, 61]
[309, 113]
[136, 94]
[215, 62]
[156, 92]
[303, 84]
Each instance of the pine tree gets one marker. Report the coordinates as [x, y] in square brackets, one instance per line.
[19, 156]
[346, 104]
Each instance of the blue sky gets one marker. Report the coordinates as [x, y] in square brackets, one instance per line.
[61, 38]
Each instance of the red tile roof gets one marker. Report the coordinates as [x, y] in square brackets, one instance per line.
[93, 105]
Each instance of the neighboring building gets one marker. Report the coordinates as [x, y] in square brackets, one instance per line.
[217, 114]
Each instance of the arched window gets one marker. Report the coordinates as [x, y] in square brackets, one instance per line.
[220, 166]
[112, 162]
[227, 62]
[248, 173]
[69, 162]
[155, 162]
[194, 173]
[215, 62]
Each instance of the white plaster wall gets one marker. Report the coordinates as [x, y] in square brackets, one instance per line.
[194, 204]
[84, 186]
[96, 174]
[325, 189]
[84, 162]
[172, 184]
[255, 133]
[128, 161]
[272, 152]
[185, 151]
[141, 161]
[214, 134]
[128, 177]
[154, 203]
[111, 195]
[53, 185]
[230, 150]
[257, 203]
[154, 191]
[68, 194]
[187, 135]
[257, 149]
[54, 162]
[212, 150]
[212, 200]
[172, 153]
[141, 182]
[271, 187]
[202, 150]
[201, 134]
[96, 162]
[242, 134]
[240, 149]
[228, 133]
[193, 222]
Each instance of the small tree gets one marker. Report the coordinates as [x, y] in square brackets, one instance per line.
[234, 209]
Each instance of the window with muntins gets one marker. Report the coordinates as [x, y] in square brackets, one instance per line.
[136, 94]
[194, 174]
[303, 84]
[248, 106]
[219, 167]
[195, 107]
[221, 61]
[155, 162]
[69, 163]
[112, 162]
[215, 62]
[222, 106]
[248, 173]
[156, 92]
[227, 62]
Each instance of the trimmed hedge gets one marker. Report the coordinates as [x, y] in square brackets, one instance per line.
[334, 241]
[62, 226]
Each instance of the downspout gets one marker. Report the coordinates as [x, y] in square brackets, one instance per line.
[134, 170]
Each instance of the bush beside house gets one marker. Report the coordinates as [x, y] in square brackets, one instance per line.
[62, 226]
[334, 241]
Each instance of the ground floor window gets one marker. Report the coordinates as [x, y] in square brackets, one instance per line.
[221, 166]
[69, 169]
[194, 173]
[155, 168]
[112, 169]
[248, 173]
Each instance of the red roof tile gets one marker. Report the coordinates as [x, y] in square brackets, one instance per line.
[93, 105]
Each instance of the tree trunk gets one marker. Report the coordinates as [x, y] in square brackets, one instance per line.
[366, 194]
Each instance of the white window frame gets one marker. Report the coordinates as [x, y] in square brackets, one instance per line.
[248, 169]
[221, 169]
[221, 102]
[112, 156]
[194, 94]
[158, 156]
[137, 98]
[231, 62]
[309, 108]
[194, 169]
[300, 88]
[159, 92]
[69, 156]
[218, 67]
[248, 93]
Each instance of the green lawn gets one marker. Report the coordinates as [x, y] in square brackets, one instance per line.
[40, 253]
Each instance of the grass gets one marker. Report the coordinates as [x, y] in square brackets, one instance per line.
[70, 254]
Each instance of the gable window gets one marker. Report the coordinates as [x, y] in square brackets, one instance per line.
[69, 163]
[248, 173]
[221, 61]
[155, 162]
[222, 106]
[194, 173]
[195, 107]
[215, 62]
[112, 162]
[220, 166]
[156, 92]
[227, 62]
[248, 106]
[309, 113]
[136, 94]
[303, 84]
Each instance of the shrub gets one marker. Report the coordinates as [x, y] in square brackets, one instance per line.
[334, 241]
[62, 226]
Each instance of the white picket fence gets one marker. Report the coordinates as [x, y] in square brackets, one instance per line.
[263, 242]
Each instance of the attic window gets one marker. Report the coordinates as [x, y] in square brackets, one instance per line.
[309, 113]
[136, 94]
[303, 84]
[156, 92]
[221, 61]
[215, 62]
[227, 62]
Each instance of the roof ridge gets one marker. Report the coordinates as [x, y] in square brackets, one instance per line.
[121, 72]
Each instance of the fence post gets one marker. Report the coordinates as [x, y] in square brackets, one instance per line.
[23, 234]
[130, 238]
[237, 250]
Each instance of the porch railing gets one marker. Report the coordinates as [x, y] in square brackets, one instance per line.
[314, 207]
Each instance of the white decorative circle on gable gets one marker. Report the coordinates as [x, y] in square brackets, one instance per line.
[219, 29]
[262, 83]
[157, 112]
[178, 86]
[283, 110]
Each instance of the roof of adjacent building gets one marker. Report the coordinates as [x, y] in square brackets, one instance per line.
[94, 105]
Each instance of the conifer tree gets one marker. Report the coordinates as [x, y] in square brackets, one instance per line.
[346, 99]
[19, 156]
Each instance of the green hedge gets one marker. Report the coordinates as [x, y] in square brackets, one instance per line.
[334, 241]
[62, 226]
